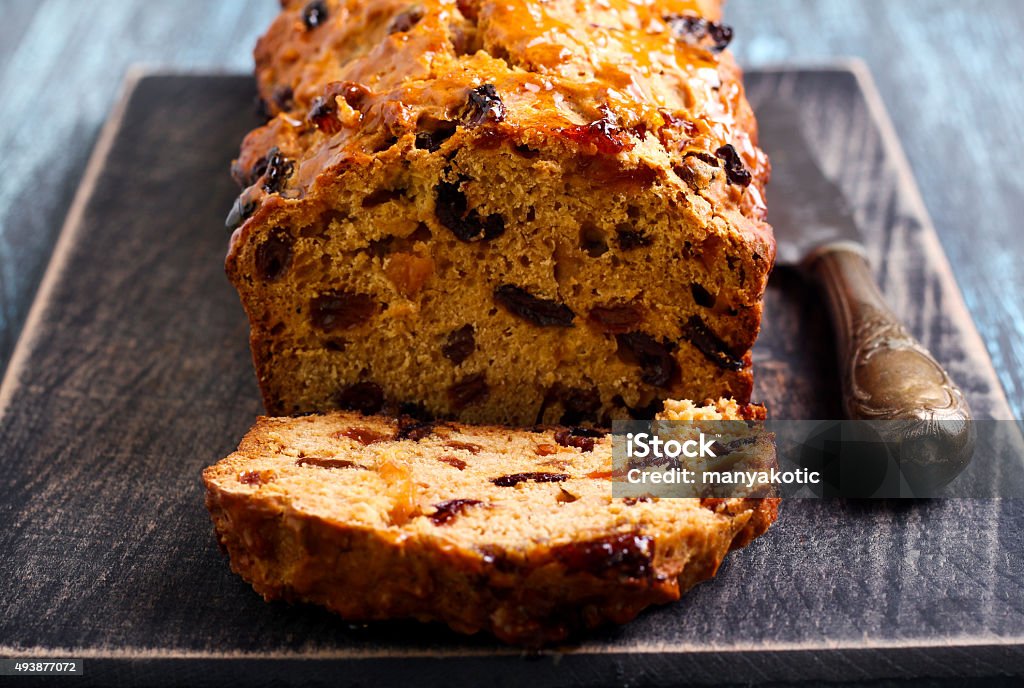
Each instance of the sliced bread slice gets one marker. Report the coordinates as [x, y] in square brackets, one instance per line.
[489, 528]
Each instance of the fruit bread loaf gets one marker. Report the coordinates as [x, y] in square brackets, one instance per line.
[509, 212]
[514, 532]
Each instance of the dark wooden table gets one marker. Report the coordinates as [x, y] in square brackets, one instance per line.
[947, 70]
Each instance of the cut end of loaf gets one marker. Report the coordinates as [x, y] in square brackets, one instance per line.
[493, 286]
[513, 532]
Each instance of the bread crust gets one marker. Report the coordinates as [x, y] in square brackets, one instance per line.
[380, 554]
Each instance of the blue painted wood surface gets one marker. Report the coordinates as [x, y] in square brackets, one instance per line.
[948, 71]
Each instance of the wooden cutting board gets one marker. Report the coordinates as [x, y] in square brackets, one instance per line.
[133, 373]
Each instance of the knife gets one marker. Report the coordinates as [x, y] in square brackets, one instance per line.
[887, 375]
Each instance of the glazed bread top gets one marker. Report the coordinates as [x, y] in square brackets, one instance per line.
[648, 85]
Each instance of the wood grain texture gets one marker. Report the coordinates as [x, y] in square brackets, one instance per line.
[945, 69]
[61, 64]
[135, 374]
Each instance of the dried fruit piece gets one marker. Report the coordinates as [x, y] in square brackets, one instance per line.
[314, 14]
[545, 449]
[432, 140]
[633, 501]
[256, 477]
[326, 463]
[340, 309]
[366, 397]
[720, 35]
[460, 344]
[543, 312]
[483, 105]
[516, 478]
[619, 473]
[616, 318]
[452, 210]
[710, 344]
[323, 114]
[629, 555]
[259, 168]
[406, 19]
[706, 158]
[600, 134]
[604, 135]
[273, 256]
[354, 93]
[447, 510]
[241, 210]
[735, 171]
[463, 446]
[364, 436]
[580, 438]
[400, 490]
[695, 30]
[408, 272]
[701, 296]
[469, 390]
[453, 461]
[278, 169]
[655, 358]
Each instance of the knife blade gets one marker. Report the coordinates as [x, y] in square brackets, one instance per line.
[886, 374]
[807, 209]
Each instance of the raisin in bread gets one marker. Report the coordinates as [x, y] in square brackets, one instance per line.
[514, 532]
[511, 212]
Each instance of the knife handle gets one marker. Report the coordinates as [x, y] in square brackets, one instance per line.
[888, 375]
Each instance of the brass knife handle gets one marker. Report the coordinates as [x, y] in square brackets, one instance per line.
[888, 375]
